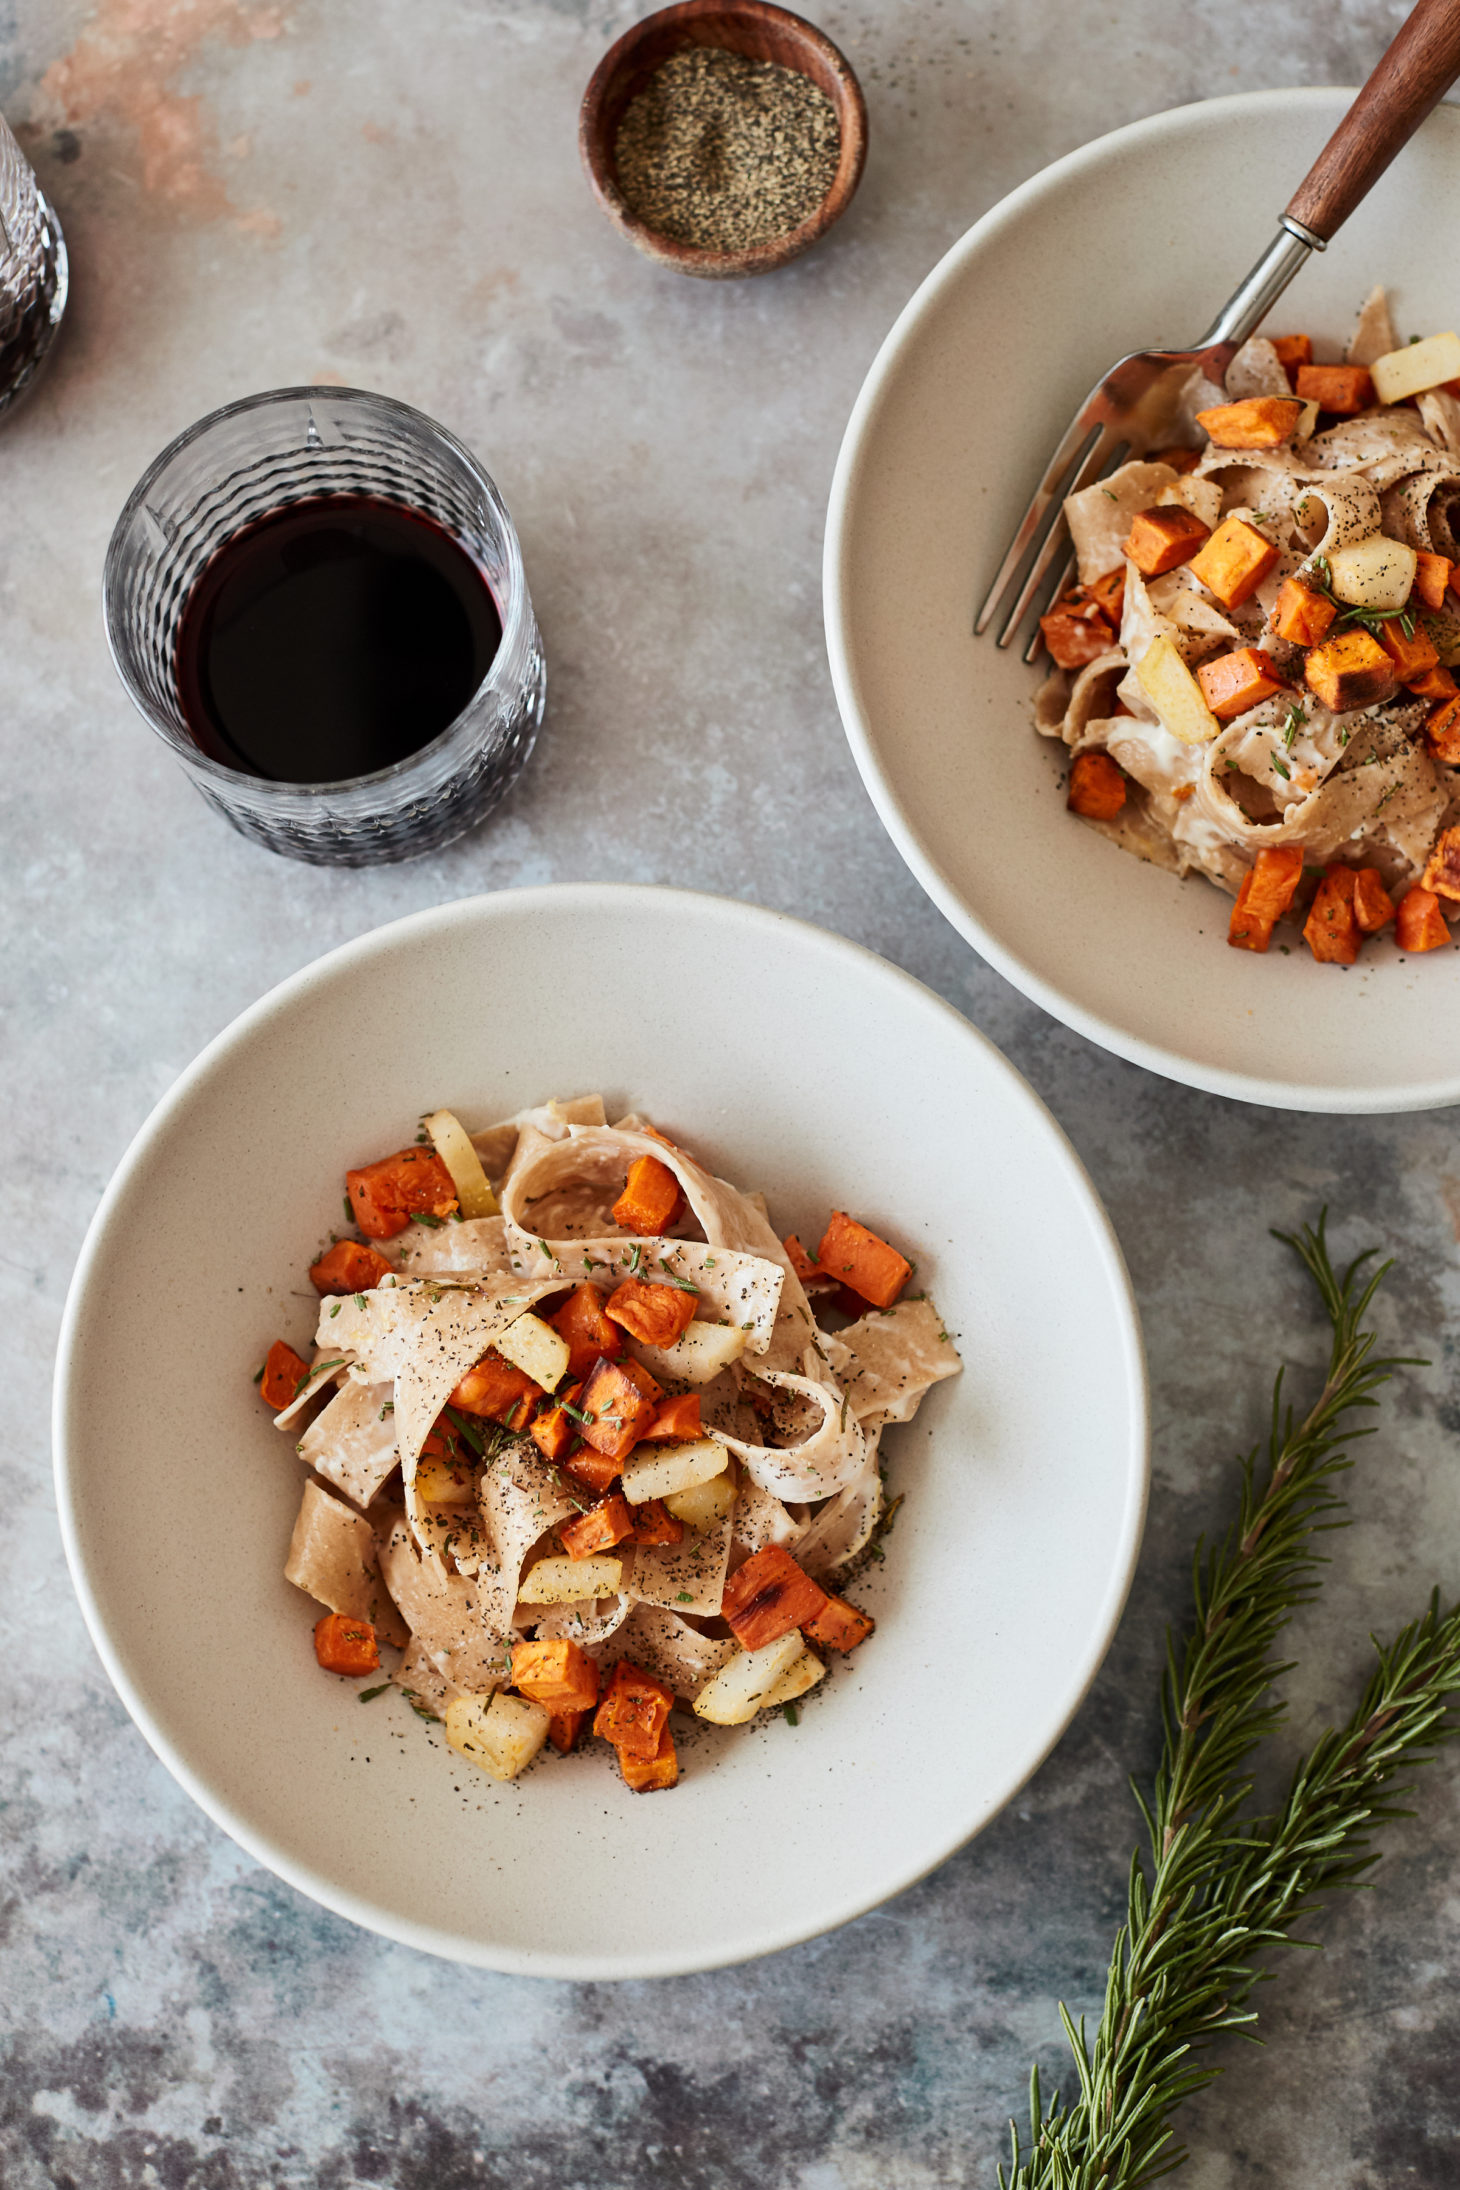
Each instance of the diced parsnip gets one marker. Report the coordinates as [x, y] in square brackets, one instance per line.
[705, 1504]
[805, 1673]
[445, 1483]
[703, 1351]
[564, 1581]
[536, 1349]
[1420, 365]
[453, 1145]
[666, 1468]
[741, 1688]
[1307, 421]
[502, 1736]
[1373, 573]
[1175, 694]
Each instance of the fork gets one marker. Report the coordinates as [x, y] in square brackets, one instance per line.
[1131, 409]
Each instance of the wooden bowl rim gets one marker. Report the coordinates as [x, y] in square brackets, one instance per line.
[842, 88]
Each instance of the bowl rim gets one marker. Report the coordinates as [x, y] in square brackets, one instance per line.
[589, 898]
[756, 258]
[1272, 1093]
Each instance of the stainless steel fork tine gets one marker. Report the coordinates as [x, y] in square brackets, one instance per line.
[1036, 636]
[1093, 465]
[1115, 456]
[1047, 497]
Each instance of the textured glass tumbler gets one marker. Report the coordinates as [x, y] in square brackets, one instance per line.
[33, 275]
[245, 462]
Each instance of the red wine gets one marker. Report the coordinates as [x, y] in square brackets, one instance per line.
[331, 638]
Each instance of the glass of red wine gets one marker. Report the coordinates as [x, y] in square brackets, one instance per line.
[316, 599]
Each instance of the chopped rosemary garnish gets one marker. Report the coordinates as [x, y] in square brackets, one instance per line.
[368, 1695]
[424, 1216]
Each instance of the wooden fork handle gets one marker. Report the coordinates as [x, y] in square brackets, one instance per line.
[1409, 82]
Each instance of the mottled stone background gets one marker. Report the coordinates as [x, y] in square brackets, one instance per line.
[388, 193]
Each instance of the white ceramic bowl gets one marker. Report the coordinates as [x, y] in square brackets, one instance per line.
[792, 1061]
[1133, 241]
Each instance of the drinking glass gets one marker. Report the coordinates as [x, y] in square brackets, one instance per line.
[33, 272]
[241, 464]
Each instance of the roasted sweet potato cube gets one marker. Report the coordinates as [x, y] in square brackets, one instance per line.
[1331, 930]
[1257, 422]
[1419, 923]
[1160, 539]
[599, 1529]
[619, 1400]
[349, 1268]
[1268, 889]
[1373, 906]
[563, 1729]
[1179, 459]
[839, 1625]
[1231, 683]
[344, 1645]
[634, 1711]
[768, 1596]
[655, 1524]
[1293, 351]
[1300, 615]
[385, 1195]
[556, 1673]
[1076, 633]
[1234, 561]
[654, 1314]
[498, 1391]
[588, 1331]
[1413, 656]
[1442, 732]
[1108, 594]
[858, 1258]
[1351, 670]
[647, 1775]
[594, 1470]
[1097, 787]
[1435, 684]
[1344, 390]
[1431, 576]
[284, 1372]
[676, 1420]
[554, 1429]
[1442, 868]
[651, 1198]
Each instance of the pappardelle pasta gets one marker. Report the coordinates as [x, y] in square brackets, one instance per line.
[588, 1440]
[1253, 670]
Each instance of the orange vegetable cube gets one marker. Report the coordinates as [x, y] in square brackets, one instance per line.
[677, 1419]
[386, 1195]
[592, 1469]
[1435, 684]
[1442, 868]
[1301, 615]
[559, 1675]
[1076, 633]
[619, 1400]
[599, 1529]
[634, 1711]
[1373, 906]
[1234, 682]
[806, 1267]
[498, 1391]
[1342, 389]
[1257, 422]
[839, 1625]
[554, 1429]
[1160, 539]
[1331, 930]
[349, 1268]
[1234, 561]
[284, 1372]
[768, 1596]
[1412, 657]
[1268, 889]
[1179, 459]
[588, 1331]
[1442, 732]
[1293, 351]
[1432, 575]
[1420, 924]
[1108, 594]
[1351, 670]
[646, 1775]
[347, 1646]
[563, 1729]
[655, 1524]
[651, 1198]
[1097, 787]
[858, 1258]
[654, 1314]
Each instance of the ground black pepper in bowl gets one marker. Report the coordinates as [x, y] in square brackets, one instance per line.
[724, 153]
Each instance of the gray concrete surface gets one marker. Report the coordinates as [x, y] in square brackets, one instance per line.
[389, 194]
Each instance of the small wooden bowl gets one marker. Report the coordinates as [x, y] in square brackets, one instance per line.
[762, 33]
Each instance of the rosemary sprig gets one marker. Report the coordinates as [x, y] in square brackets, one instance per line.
[1221, 1890]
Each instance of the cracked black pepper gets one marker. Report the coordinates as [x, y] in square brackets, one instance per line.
[723, 152]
